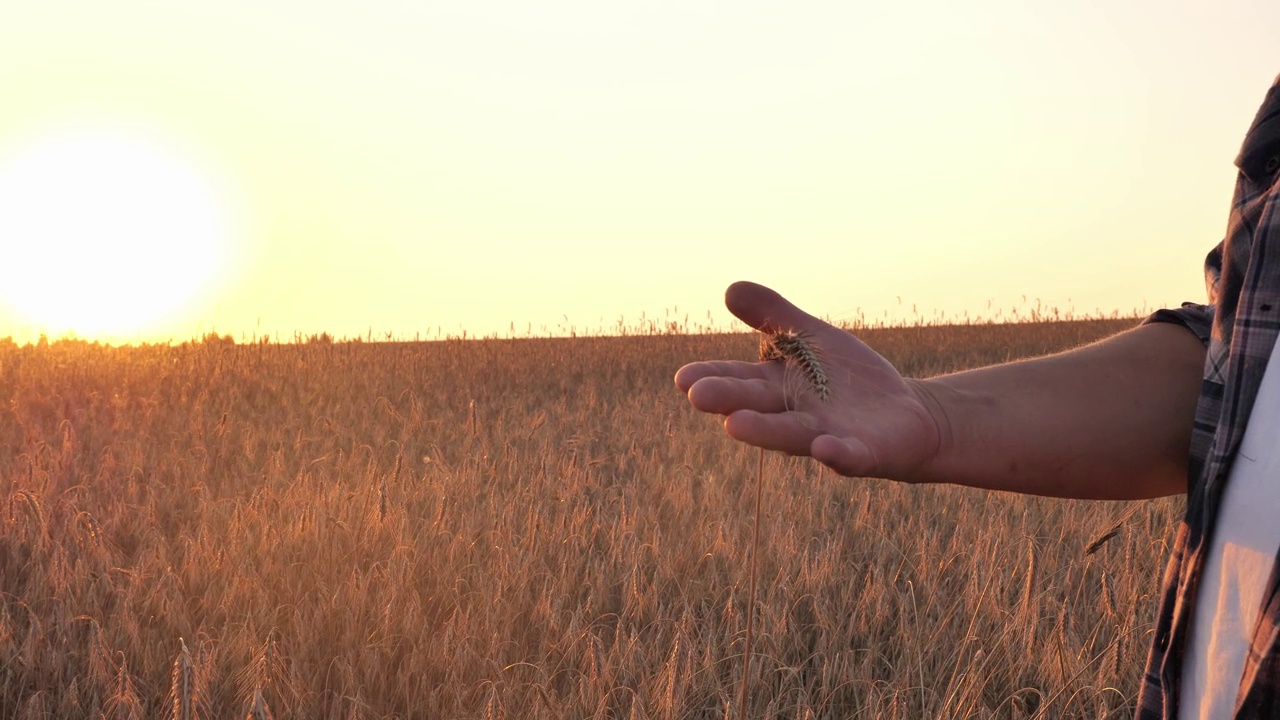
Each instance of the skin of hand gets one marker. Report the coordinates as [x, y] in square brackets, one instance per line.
[877, 423]
[1111, 420]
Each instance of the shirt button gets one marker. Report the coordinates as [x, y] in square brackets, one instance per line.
[1162, 641]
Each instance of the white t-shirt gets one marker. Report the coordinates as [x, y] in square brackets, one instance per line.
[1241, 554]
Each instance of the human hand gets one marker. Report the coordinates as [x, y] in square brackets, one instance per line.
[874, 423]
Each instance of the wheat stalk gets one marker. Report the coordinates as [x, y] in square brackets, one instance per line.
[793, 348]
[751, 591]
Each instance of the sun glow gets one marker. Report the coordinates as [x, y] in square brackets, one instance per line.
[105, 234]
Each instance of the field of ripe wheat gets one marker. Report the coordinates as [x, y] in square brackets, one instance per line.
[534, 528]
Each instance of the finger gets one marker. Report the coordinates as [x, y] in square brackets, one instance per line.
[764, 309]
[693, 372]
[727, 395]
[772, 431]
[851, 458]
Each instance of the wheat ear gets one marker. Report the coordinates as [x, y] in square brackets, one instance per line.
[794, 348]
[182, 687]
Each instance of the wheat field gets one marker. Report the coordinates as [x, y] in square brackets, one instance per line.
[524, 528]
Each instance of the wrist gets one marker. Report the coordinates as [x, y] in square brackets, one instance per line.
[941, 403]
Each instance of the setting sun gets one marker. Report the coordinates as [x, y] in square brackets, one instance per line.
[107, 232]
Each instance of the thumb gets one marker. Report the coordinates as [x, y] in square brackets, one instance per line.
[766, 310]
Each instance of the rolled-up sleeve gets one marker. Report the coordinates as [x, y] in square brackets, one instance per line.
[1196, 317]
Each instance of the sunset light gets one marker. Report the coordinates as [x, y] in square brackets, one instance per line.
[424, 169]
[109, 233]
[577, 359]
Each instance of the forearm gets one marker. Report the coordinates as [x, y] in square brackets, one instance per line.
[1111, 420]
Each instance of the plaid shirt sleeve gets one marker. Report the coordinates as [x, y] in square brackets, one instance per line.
[1196, 317]
[1240, 325]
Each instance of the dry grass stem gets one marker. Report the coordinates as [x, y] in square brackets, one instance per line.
[751, 591]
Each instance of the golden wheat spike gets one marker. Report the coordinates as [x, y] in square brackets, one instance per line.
[794, 348]
[183, 685]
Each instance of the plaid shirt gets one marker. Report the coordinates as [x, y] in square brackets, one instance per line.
[1240, 325]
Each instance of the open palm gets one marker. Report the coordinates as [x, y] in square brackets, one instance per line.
[874, 424]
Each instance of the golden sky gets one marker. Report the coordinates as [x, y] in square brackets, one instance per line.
[170, 169]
